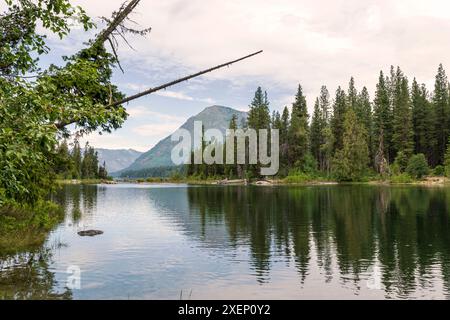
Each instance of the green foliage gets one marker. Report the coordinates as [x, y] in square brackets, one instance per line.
[34, 114]
[20, 43]
[417, 166]
[401, 162]
[402, 178]
[295, 177]
[423, 121]
[24, 225]
[402, 137]
[442, 114]
[158, 172]
[308, 165]
[316, 131]
[337, 122]
[382, 117]
[350, 163]
[298, 132]
[75, 165]
[395, 169]
[439, 171]
[447, 160]
[259, 115]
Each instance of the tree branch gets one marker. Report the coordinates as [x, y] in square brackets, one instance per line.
[61, 125]
[121, 16]
[169, 84]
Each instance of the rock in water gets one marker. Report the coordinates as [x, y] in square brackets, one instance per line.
[90, 233]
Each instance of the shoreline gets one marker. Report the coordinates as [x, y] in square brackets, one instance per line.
[431, 181]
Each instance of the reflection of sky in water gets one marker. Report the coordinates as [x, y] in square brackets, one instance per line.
[161, 240]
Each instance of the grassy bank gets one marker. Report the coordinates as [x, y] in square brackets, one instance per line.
[83, 181]
[23, 227]
[294, 179]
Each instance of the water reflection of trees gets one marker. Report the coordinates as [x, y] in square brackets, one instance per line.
[406, 229]
[27, 276]
[78, 200]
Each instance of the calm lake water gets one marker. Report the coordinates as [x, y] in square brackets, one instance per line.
[212, 242]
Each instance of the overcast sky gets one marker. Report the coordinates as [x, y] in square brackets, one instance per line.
[312, 42]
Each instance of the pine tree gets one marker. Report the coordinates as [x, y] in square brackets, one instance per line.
[363, 112]
[337, 123]
[285, 122]
[259, 114]
[276, 120]
[442, 113]
[324, 101]
[284, 143]
[327, 138]
[76, 160]
[402, 137]
[232, 170]
[447, 160]
[89, 164]
[258, 118]
[351, 161]
[102, 172]
[63, 162]
[382, 117]
[298, 133]
[423, 121]
[327, 149]
[316, 138]
[352, 96]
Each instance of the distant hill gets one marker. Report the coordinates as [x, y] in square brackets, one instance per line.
[117, 160]
[217, 117]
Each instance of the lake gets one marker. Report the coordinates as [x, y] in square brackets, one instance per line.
[241, 242]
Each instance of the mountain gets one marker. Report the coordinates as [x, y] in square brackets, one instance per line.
[117, 160]
[217, 117]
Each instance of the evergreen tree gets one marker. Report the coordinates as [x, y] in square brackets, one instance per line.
[423, 122]
[447, 160]
[402, 137]
[102, 172]
[258, 118]
[352, 96]
[337, 122]
[382, 117]
[351, 161]
[285, 122]
[276, 120]
[298, 133]
[235, 169]
[63, 163]
[363, 112]
[442, 113]
[316, 138]
[259, 114]
[89, 164]
[327, 149]
[284, 143]
[324, 101]
[76, 160]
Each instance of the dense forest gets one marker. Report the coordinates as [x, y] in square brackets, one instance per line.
[399, 134]
[78, 163]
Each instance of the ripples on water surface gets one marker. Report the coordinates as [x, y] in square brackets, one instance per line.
[167, 241]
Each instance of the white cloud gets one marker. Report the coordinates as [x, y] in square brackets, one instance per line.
[314, 42]
[152, 130]
[144, 111]
[115, 140]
